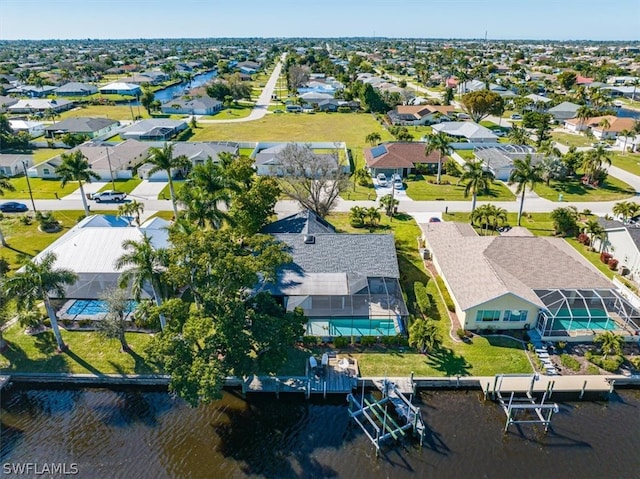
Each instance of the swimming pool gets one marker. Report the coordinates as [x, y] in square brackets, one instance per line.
[352, 327]
[599, 320]
[91, 307]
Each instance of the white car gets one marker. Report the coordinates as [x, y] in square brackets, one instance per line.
[382, 179]
[397, 183]
[109, 195]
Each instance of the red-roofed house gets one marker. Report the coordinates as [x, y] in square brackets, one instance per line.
[419, 114]
[400, 158]
[580, 80]
[603, 127]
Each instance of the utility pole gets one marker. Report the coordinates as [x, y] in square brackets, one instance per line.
[113, 184]
[33, 203]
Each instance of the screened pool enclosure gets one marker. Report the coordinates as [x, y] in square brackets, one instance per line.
[582, 312]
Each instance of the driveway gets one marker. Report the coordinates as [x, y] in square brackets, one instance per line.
[148, 190]
[92, 187]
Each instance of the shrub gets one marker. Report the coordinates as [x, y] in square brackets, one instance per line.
[461, 333]
[368, 340]
[310, 340]
[47, 221]
[605, 257]
[26, 220]
[613, 264]
[80, 218]
[635, 361]
[610, 363]
[445, 294]
[341, 342]
[4, 267]
[584, 239]
[561, 345]
[422, 297]
[592, 370]
[570, 362]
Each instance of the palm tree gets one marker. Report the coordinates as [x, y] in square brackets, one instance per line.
[593, 161]
[424, 335]
[5, 184]
[134, 208]
[593, 229]
[146, 265]
[202, 207]
[440, 143]
[373, 138]
[75, 167]
[498, 217]
[373, 215]
[35, 283]
[626, 133]
[518, 135]
[162, 160]
[389, 203]
[610, 343]
[477, 178]
[524, 174]
[583, 114]
[357, 215]
[604, 124]
[626, 210]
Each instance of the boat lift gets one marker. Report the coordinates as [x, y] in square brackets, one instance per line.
[378, 424]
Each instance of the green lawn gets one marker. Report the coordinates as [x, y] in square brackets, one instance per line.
[627, 161]
[126, 186]
[482, 357]
[466, 154]
[571, 139]
[43, 189]
[419, 131]
[26, 241]
[351, 128]
[540, 224]
[88, 353]
[419, 188]
[231, 113]
[573, 190]
[165, 194]
[115, 112]
[44, 154]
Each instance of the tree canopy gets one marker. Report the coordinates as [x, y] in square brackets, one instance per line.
[482, 103]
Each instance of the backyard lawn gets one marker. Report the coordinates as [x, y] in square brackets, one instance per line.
[115, 112]
[571, 139]
[627, 161]
[26, 241]
[88, 353]
[485, 356]
[44, 154]
[419, 188]
[232, 113]
[573, 190]
[42, 189]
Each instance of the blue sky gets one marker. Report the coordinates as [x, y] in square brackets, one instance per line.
[504, 19]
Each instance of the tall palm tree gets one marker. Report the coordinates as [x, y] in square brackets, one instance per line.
[626, 133]
[373, 138]
[605, 124]
[162, 160]
[524, 174]
[440, 143]
[583, 114]
[424, 335]
[144, 264]
[518, 135]
[202, 207]
[593, 162]
[35, 283]
[477, 179]
[75, 167]
[5, 184]
[593, 229]
[626, 210]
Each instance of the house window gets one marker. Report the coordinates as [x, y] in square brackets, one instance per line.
[45, 171]
[515, 315]
[488, 315]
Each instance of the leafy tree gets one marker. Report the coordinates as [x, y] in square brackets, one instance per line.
[314, 181]
[389, 203]
[482, 103]
[147, 98]
[75, 167]
[572, 160]
[144, 265]
[5, 185]
[74, 139]
[218, 90]
[524, 175]
[35, 283]
[253, 208]
[114, 324]
[5, 301]
[567, 79]
[610, 343]
[448, 96]
[424, 335]
[551, 167]
[477, 179]
[162, 159]
[297, 76]
[565, 221]
[439, 142]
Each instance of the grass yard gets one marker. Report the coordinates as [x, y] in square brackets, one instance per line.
[571, 139]
[44, 154]
[126, 186]
[540, 224]
[115, 112]
[88, 353]
[419, 188]
[466, 154]
[573, 190]
[482, 357]
[42, 189]
[165, 194]
[351, 128]
[627, 161]
[26, 241]
[232, 113]
[357, 192]
[419, 131]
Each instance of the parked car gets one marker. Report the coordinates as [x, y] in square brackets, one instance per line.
[382, 179]
[516, 116]
[13, 207]
[397, 182]
[108, 195]
[603, 144]
[435, 219]
[278, 111]
[463, 116]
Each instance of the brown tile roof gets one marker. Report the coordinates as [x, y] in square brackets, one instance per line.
[399, 155]
[420, 111]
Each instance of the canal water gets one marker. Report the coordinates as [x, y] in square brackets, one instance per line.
[627, 113]
[179, 89]
[141, 434]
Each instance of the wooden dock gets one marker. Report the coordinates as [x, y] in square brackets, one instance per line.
[540, 384]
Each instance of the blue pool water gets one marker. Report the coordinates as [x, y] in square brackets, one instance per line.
[362, 327]
[93, 307]
[599, 320]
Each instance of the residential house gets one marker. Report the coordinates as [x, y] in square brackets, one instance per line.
[105, 159]
[76, 89]
[203, 105]
[267, 156]
[33, 91]
[473, 132]
[399, 158]
[540, 103]
[121, 88]
[156, 129]
[564, 111]
[197, 152]
[346, 284]
[555, 290]
[420, 114]
[92, 127]
[90, 249]
[478, 85]
[314, 97]
[499, 159]
[603, 127]
[14, 165]
[151, 77]
[34, 128]
[622, 240]
[6, 101]
[35, 105]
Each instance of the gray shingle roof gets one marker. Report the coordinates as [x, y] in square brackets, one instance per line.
[82, 124]
[304, 222]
